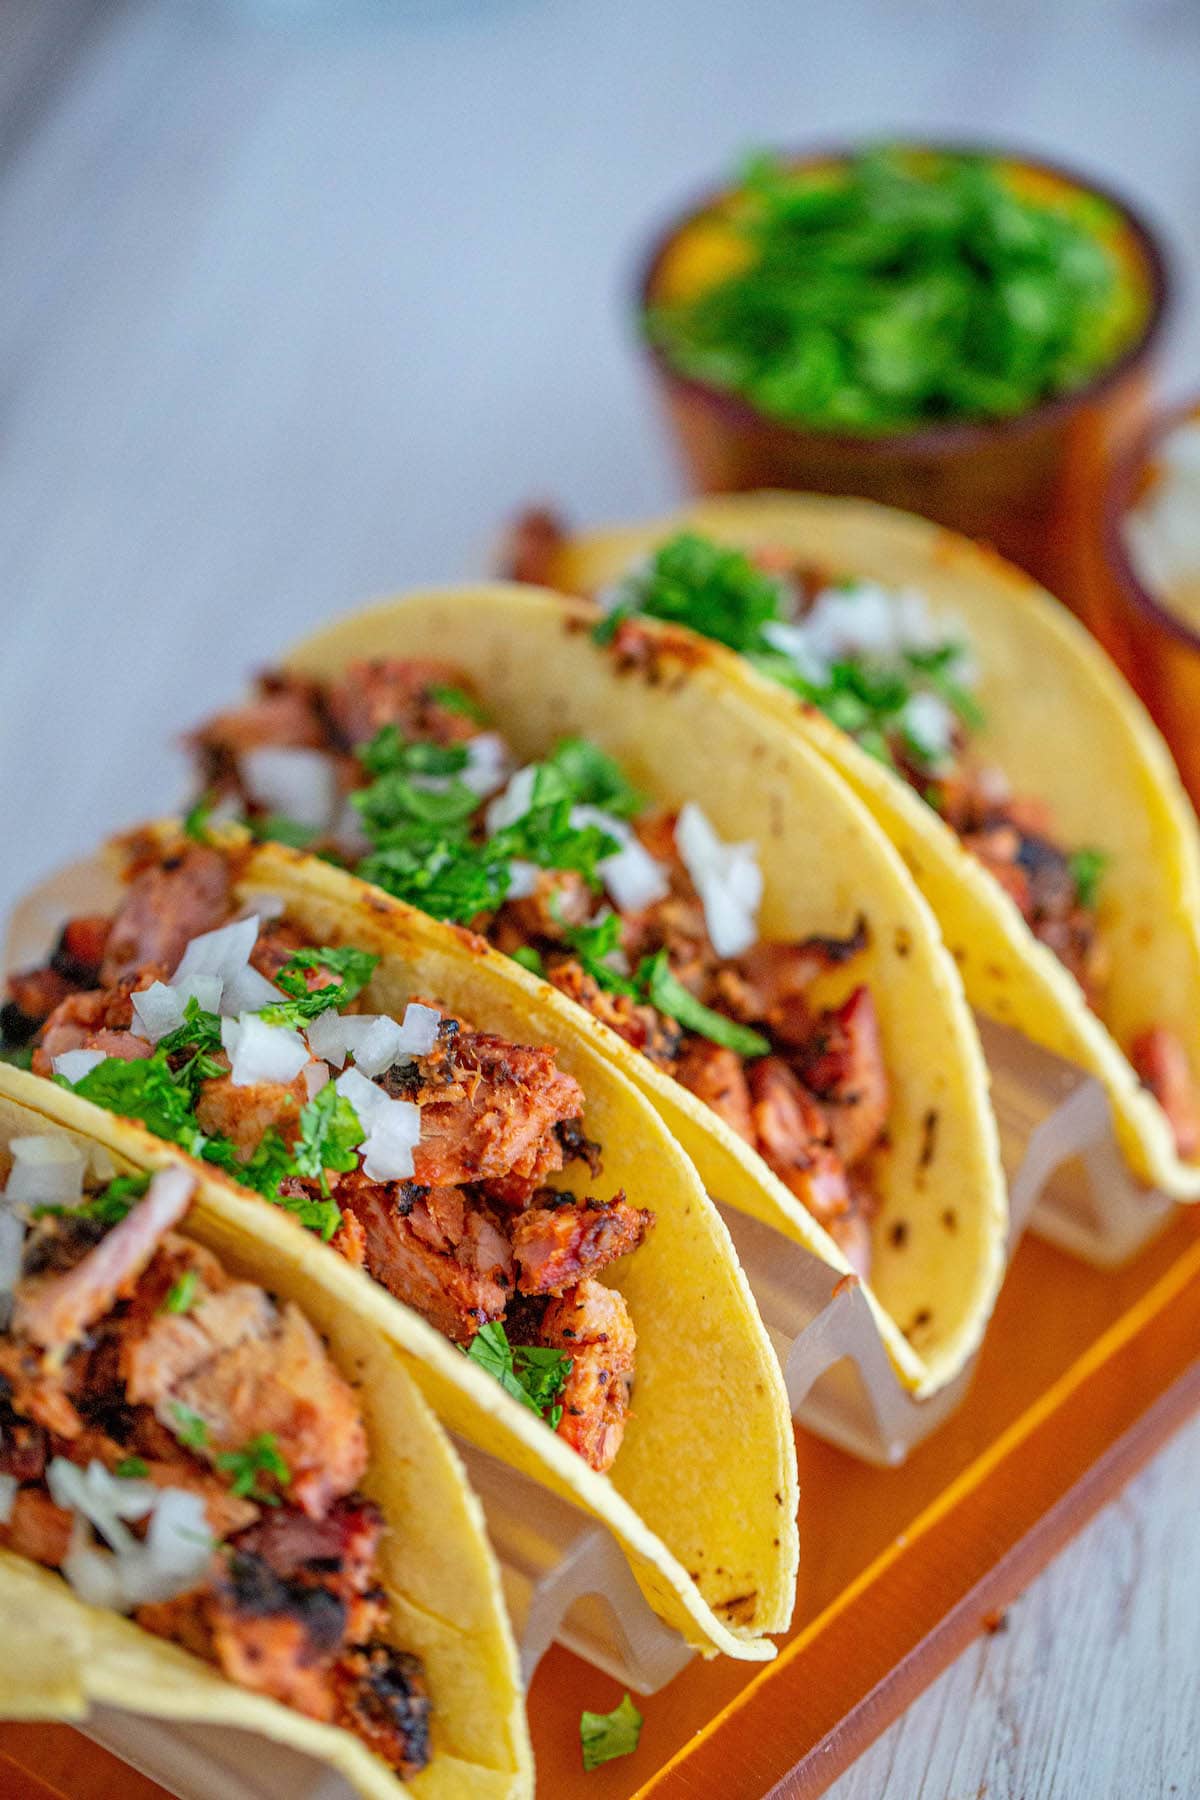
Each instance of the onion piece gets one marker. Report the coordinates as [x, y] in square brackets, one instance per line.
[261, 1052]
[419, 1032]
[8, 1494]
[73, 1065]
[514, 802]
[392, 1127]
[249, 992]
[46, 1171]
[104, 1500]
[928, 723]
[522, 879]
[316, 1076]
[12, 1244]
[726, 877]
[173, 1557]
[299, 784]
[633, 878]
[159, 1009]
[224, 952]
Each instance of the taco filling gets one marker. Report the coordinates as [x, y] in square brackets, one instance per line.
[643, 917]
[880, 666]
[180, 1445]
[419, 1148]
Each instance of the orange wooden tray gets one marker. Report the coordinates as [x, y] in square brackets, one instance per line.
[1083, 1375]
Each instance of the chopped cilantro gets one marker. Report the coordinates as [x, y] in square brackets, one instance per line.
[354, 968]
[528, 957]
[903, 288]
[592, 777]
[1087, 870]
[109, 1206]
[457, 700]
[201, 1030]
[144, 1089]
[445, 876]
[671, 997]
[595, 945]
[546, 836]
[259, 1457]
[183, 1293]
[131, 1468]
[190, 1428]
[388, 753]
[195, 820]
[17, 1056]
[604, 1736]
[713, 588]
[277, 828]
[533, 1375]
[330, 1133]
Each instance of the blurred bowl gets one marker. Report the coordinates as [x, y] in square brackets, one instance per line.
[1025, 484]
[1155, 647]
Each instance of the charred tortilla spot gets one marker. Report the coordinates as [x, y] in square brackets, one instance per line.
[903, 941]
[950, 1219]
[898, 1234]
[921, 1319]
[739, 1609]
[929, 1131]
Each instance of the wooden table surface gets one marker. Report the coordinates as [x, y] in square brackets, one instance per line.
[298, 300]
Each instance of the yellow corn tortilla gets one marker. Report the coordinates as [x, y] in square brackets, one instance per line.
[682, 732]
[703, 1493]
[1063, 726]
[59, 1657]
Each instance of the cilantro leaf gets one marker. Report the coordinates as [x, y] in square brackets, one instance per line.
[183, 1293]
[457, 700]
[144, 1089]
[109, 1206]
[354, 968]
[713, 588]
[1087, 871]
[261, 1456]
[190, 1428]
[132, 1468]
[201, 1030]
[534, 1375]
[594, 778]
[529, 958]
[330, 1133]
[594, 945]
[672, 998]
[446, 877]
[277, 828]
[604, 1736]
[195, 820]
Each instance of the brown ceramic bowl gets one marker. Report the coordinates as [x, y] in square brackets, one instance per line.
[1156, 648]
[1026, 485]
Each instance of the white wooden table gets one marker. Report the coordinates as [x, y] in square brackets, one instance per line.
[297, 303]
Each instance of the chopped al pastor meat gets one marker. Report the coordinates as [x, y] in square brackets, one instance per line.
[262, 1446]
[591, 1324]
[1162, 1066]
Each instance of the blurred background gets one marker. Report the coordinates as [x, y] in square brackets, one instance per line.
[299, 298]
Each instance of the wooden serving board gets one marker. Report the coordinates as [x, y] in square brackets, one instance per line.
[1083, 1375]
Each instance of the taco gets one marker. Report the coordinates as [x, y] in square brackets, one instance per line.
[1022, 781]
[414, 1138]
[211, 1512]
[741, 940]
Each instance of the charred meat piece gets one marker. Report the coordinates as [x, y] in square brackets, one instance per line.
[245, 1114]
[591, 1324]
[97, 1020]
[383, 1698]
[555, 1246]
[531, 544]
[388, 691]
[456, 1286]
[54, 1311]
[33, 994]
[642, 1026]
[284, 714]
[793, 1139]
[843, 1065]
[489, 1107]
[776, 978]
[168, 904]
[718, 1077]
[1162, 1066]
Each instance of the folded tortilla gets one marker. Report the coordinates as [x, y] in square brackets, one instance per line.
[59, 1657]
[703, 1493]
[682, 731]
[1062, 724]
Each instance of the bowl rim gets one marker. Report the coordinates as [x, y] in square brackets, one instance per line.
[1117, 502]
[951, 436]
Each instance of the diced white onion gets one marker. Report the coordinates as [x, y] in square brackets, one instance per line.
[929, 723]
[73, 1065]
[249, 992]
[488, 764]
[792, 641]
[173, 1557]
[8, 1494]
[392, 1127]
[261, 1052]
[419, 1032]
[514, 802]
[379, 1047]
[12, 1243]
[726, 877]
[224, 952]
[863, 620]
[299, 784]
[1162, 532]
[632, 877]
[104, 1500]
[316, 1076]
[335, 1036]
[46, 1171]
[522, 879]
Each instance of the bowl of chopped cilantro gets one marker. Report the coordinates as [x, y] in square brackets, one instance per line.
[964, 333]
